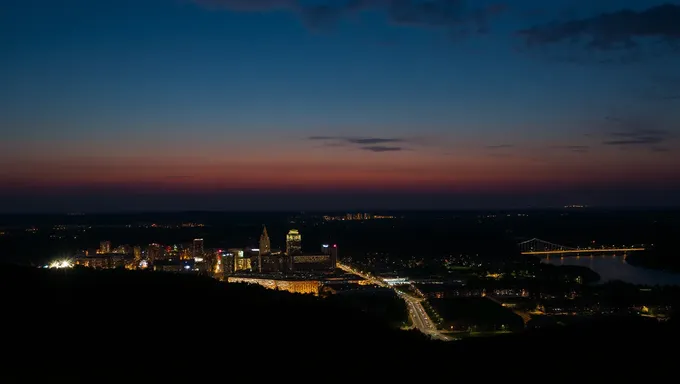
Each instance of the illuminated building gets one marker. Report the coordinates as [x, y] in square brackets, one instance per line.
[332, 251]
[265, 245]
[176, 266]
[312, 262]
[155, 252]
[217, 265]
[197, 250]
[105, 247]
[293, 243]
[122, 249]
[275, 263]
[241, 263]
[227, 262]
[293, 286]
[137, 252]
[334, 256]
[104, 260]
[185, 254]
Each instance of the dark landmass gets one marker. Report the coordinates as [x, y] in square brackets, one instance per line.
[479, 313]
[383, 305]
[490, 234]
[143, 324]
[663, 251]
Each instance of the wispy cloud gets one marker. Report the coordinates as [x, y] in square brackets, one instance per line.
[572, 148]
[373, 140]
[500, 146]
[617, 32]
[380, 148]
[637, 137]
[372, 144]
[433, 13]
[629, 132]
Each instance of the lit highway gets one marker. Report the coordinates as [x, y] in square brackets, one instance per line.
[417, 314]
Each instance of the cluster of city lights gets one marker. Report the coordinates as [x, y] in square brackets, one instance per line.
[61, 264]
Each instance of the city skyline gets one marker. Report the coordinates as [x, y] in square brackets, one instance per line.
[331, 105]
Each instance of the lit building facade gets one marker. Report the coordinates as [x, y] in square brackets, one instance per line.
[104, 260]
[176, 266]
[293, 243]
[241, 262]
[197, 249]
[294, 286]
[312, 263]
[332, 251]
[275, 263]
[265, 245]
[105, 247]
[154, 253]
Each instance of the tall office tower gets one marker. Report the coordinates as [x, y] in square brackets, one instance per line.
[197, 250]
[154, 252]
[105, 247]
[334, 255]
[293, 243]
[137, 251]
[265, 245]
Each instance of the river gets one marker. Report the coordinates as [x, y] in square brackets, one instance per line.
[616, 268]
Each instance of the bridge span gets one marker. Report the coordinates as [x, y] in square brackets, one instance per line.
[541, 247]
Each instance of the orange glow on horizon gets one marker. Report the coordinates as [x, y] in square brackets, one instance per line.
[291, 168]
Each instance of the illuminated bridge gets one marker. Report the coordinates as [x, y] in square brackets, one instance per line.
[541, 247]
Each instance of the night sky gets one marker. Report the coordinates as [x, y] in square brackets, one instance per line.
[367, 104]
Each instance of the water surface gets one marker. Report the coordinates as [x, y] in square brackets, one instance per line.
[615, 267]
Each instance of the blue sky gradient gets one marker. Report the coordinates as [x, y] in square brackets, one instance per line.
[519, 101]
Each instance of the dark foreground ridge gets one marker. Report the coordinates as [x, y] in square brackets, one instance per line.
[144, 323]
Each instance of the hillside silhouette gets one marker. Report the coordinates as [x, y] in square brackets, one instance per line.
[151, 322]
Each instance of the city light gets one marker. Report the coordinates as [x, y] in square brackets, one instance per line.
[61, 264]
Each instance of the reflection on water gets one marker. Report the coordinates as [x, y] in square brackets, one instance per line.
[612, 267]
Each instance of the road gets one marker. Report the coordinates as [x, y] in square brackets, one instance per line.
[417, 314]
[420, 319]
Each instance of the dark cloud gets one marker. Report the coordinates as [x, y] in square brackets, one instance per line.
[372, 144]
[573, 148]
[608, 32]
[500, 146]
[419, 13]
[636, 132]
[372, 140]
[358, 140]
[637, 136]
[380, 148]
